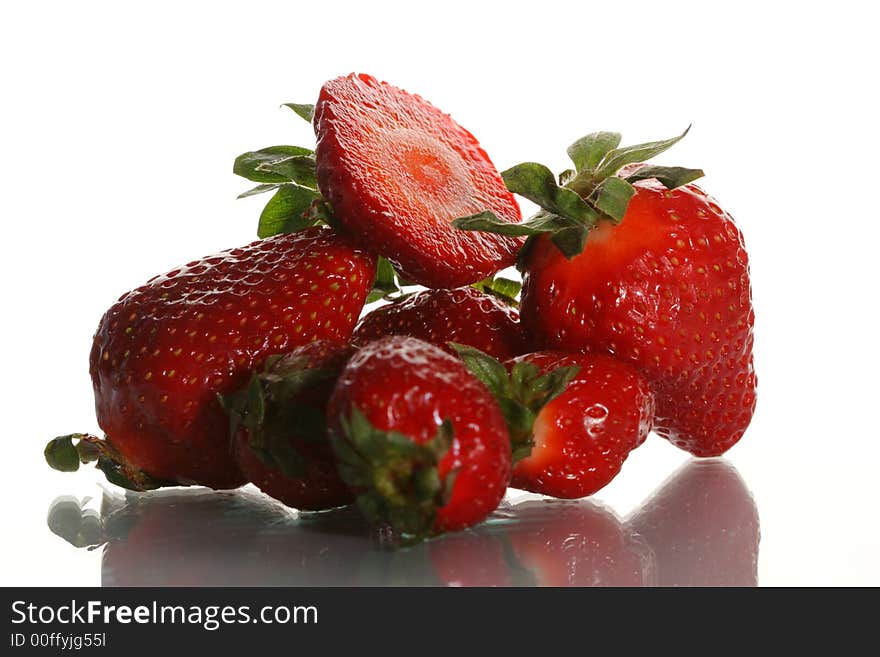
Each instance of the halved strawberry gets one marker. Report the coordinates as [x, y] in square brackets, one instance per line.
[397, 171]
[463, 315]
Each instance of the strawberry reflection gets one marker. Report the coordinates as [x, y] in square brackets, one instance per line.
[699, 529]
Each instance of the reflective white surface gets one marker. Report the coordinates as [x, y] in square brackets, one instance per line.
[700, 528]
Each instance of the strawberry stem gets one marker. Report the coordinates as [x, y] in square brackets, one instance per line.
[65, 453]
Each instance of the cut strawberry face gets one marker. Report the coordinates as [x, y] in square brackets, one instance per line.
[398, 171]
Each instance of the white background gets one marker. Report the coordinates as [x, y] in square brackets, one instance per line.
[120, 124]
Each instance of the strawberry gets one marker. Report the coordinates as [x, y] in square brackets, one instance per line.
[164, 352]
[420, 440]
[397, 171]
[573, 418]
[280, 430]
[582, 436]
[463, 315]
[702, 526]
[638, 263]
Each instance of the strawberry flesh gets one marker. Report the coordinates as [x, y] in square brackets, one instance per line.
[397, 171]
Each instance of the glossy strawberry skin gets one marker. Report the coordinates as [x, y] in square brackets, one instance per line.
[321, 488]
[463, 315]
[397, 171]
[668, 291]
[164, 351]
[583, 436]
[408, 386]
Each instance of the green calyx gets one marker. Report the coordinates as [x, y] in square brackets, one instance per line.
[66, 453]
[520, 393]
[397, 481]
[572, 204]
[289, 171]
[503, 289]
[297, 203]
[270, 410]
[388, 284]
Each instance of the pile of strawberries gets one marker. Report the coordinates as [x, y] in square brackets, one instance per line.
[255, 365]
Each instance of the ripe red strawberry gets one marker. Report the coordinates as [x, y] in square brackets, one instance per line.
[668, 291]
[164, 352]
[280, 428]
[463, 315]
[638, 264]
[582, 436]
[702, 526]
[397, 171]
[419, 439]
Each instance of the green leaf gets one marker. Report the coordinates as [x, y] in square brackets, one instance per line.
[256, 405]
[568, 235]
[488, 370]
[588, 151]
[306, 112]
[523, 373]
[442, 440]
[566, 177]
[612, 197]
[538, 184]
[620, 157]
[296, 168]
[385, 283]
[570, 241]
[549, 386]
[284, 211]
[290, 384]
[277, 164]
[61, 454]
[287, 458]
[505, 289]
[486, 221]
[320, 212]
[669, 177]
[260, 189]
[396, 480]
